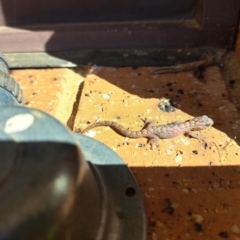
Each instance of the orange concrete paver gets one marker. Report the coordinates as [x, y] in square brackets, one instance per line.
[51, 90]
[189, 192]
[127, 97]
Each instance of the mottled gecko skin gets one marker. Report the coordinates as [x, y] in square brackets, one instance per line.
[154, 133]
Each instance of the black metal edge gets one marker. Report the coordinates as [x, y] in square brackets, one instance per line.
[112, 58]
[128, 212]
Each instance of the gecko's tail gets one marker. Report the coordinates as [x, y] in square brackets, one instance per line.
[97, 124]
[117, 128]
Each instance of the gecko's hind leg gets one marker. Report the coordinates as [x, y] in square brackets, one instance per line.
[199, 137]
[153, 141]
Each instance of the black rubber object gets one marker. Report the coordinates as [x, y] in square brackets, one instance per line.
[7, 82]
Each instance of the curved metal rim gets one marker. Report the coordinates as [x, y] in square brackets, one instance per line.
[127, 217]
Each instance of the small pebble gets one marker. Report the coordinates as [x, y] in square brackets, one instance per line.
[91, 133]
[178, 158]
[185, 190]
[198, 218]
[105, 96]
[147, 195]
[175, 205]
[187, 235]
[235, 229]
[139, 145]
[169, 151]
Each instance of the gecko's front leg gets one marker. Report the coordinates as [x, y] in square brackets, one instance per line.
[147, 124]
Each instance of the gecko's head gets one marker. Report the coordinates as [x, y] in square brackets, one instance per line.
[201, 122]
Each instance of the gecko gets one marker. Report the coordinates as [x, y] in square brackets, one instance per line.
[155, 133]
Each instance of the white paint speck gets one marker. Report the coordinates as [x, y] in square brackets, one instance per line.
[19, 123]
[148, 110]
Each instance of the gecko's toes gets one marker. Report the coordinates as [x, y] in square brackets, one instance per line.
[154, 145]
[144, 120]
